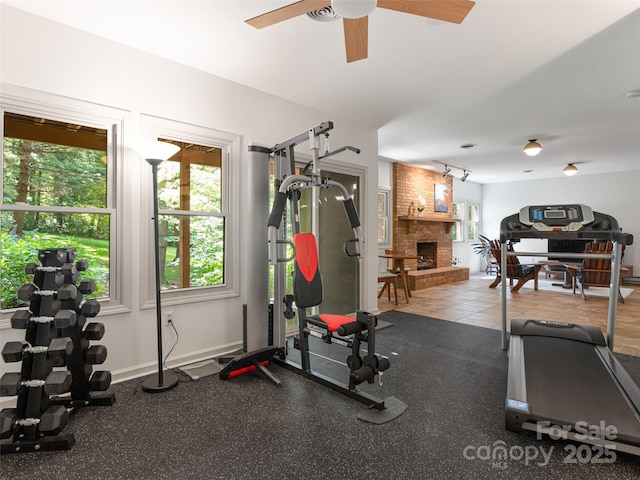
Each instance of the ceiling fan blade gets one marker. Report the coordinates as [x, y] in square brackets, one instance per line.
[287, 12]
[453, 11]
[356, 32]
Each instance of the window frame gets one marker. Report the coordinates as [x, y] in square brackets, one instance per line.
[386, 217]
[460, 223]
[152, 128]
[475, 222]
[24, 101]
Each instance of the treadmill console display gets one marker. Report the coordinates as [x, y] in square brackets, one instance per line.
[557, 218]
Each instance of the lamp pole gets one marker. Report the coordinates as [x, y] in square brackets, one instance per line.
[161, 381]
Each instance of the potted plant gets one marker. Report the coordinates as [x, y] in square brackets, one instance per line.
[483, 247]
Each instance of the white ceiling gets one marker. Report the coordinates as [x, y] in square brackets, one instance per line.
[513, 70]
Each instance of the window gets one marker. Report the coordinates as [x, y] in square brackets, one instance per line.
[457, 209]
[196, 223]
[191, 245]
[57, 191]
[384, 220]
[473, 219]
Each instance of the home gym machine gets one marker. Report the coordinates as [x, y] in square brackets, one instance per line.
[564, 380]
[307, 282]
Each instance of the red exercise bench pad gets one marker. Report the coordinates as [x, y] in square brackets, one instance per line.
[307, 282]
[335, 321]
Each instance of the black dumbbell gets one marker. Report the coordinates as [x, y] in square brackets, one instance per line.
[100, 381]
[12, 351]
[93, 331]
[57, 382]
[70, 273]
[26, 291]
[68, 269]
[95, 354]
[67, 292]
[90, 308]
[82, 265]
[8, 417]
[64, 318]
[87, 286]
[53, 420]
[56, 257]
[30, 268]
[58, 348]
[20, 318]
[9, 384]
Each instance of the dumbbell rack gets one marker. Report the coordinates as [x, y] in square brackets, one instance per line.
[54, 337]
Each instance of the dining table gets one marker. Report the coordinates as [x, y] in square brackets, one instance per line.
[399, 268]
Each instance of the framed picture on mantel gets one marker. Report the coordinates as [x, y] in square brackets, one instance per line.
[441, 193]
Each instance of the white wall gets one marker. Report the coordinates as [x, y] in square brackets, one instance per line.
[385, 173]
[46, 56]
[616, 194]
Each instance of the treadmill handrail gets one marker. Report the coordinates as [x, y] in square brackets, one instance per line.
[511, 228]
[559, 254]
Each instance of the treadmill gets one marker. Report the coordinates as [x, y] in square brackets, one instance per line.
[563, 379]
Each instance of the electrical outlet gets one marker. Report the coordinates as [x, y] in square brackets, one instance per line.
[170, 318]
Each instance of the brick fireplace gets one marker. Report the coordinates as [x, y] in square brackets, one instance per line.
[411, 185]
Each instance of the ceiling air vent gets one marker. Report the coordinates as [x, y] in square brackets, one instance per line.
[325, 14]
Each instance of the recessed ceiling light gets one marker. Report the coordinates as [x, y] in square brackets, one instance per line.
[468, 145]
[632, 93]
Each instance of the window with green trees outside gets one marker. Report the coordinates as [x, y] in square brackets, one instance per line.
[54, 194]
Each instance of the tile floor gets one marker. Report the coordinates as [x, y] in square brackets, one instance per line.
[474, 303]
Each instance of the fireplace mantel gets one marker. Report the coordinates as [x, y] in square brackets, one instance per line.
[411, 221]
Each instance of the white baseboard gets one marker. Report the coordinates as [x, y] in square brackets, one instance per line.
[143, 370]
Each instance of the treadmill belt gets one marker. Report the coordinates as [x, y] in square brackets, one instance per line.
[568, 383]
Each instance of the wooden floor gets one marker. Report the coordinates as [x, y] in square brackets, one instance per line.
[473, 302]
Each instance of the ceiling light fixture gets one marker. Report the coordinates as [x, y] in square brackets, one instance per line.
[353, 8]
[446, 171]
[532, 148]
[570, 170]
[464, 176]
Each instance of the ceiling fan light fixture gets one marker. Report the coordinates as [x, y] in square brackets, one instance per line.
[570, 170]
[532, 148]
[353, 8]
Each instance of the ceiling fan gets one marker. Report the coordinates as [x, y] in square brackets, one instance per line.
[355, 16]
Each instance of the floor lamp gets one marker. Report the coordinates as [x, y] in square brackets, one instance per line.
[155, 153]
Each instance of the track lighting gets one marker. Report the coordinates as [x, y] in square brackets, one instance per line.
[447, 169]
[532, 148]
[570, 170]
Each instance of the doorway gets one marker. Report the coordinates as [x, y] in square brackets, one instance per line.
[340, 273]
